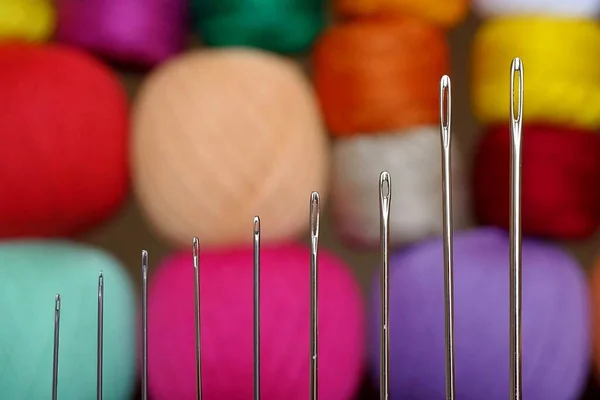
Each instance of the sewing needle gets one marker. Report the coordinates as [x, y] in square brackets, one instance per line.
[516, 115]
[100, 352]
[195, 252]
[315, 211]
[56, 342]
[144, 325]
[446, 132]
[256, 308]
[385, 198]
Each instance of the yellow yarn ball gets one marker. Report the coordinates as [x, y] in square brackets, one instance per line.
[28, 20]
[222, 135]
[561, 57]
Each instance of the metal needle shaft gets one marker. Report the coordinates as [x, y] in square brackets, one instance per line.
[385, 198]
[314, 319]
[195, 254]
[56, 343]
[144, 325]
[100, 352]
[516, 115]
[256, 236]
[446, 132]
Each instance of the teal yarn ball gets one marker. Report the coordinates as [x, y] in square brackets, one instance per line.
[31, 274]
[283, 26]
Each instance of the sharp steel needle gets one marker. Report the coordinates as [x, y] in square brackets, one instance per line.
[516, 115]
[100, 352]
[256, 236]
[385, 199]
[315, 211]
[56, 342]
[446, 132]
[144, 325]
[195, 254]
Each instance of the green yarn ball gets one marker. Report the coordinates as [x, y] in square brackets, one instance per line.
[31, 274]
[284, 26]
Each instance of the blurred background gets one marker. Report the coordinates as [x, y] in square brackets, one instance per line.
[189, 118]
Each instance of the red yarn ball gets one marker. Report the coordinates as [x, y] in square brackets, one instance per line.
[560, 181]
[63, 128]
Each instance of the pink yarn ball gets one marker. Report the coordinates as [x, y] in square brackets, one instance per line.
[138, 32]
[226, 285]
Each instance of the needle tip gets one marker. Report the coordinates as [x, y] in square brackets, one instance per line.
[257, 225]
[314, 214]
[195, 251]
[144, 260]
[57, 302]
[385, 185]
[517, 64]
[445, 82]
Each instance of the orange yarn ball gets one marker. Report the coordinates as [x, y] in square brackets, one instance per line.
[446, 13]
[380, 75]
[222, 135]
[595, 293]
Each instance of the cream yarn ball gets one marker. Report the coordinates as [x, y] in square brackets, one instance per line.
[222, 135]
[565, 8]
[413, 159]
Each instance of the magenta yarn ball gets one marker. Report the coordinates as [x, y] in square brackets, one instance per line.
[555, 320]
[226, 285]
[139, 32]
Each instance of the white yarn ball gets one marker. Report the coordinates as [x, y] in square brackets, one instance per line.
[413, 159]
[566, 8]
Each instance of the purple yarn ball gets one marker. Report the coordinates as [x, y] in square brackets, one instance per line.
[555, 325]
[139, 32]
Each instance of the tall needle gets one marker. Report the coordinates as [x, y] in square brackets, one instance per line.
[385, 199]
[195, 254]
[56, 343]
[446, 132]
[256, 236]
[315, 210]
[516, 125]
[144, 325]
[100, 352]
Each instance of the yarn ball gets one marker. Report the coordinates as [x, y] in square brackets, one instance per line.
[31, 274]
[286, 26]
[560, 197]
[555, 320]
[226, 318]
[221, 136]
[446, 13]
[575, 8]
[64, 131]
[139, 32]
[26, 20]
[372, 75]
[562, 87]
[413, 159]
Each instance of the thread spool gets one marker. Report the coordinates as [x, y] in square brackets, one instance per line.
[285, 26]
[412, 159]
[555, 325]
[446, 13]
[560, 199]
[560, 8]
[372, 75]
[226, 318]
[29, 21]
[64, 157]
[563, 88]
[31, 274]
[139, 32]
[193, 185]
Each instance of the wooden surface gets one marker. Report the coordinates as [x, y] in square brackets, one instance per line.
[128, 233]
